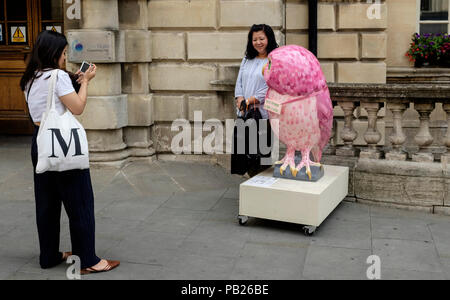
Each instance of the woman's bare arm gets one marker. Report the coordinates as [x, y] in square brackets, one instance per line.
[77, 102]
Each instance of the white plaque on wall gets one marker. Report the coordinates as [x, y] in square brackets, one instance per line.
[92, 46]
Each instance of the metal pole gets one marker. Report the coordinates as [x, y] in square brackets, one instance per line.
[312, 14]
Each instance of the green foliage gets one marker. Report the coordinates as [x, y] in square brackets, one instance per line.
[431, 48]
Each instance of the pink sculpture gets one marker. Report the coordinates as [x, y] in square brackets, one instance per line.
[297, 85]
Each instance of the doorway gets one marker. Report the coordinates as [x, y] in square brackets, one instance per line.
[20, 23]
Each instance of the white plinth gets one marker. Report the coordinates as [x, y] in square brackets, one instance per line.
[301, 202]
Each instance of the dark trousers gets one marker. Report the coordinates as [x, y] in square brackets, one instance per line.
[242, 163]
[73, 189]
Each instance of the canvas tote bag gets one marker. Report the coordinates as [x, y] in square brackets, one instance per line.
[61, 141]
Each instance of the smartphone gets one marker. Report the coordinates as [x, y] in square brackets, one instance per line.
[84, 66]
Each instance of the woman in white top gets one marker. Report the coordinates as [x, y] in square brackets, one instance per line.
[72, 188]
[252, 88]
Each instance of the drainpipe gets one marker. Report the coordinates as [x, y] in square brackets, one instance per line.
[312, 31]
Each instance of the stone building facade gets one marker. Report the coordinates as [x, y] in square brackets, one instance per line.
[169, 54]
[173, 58]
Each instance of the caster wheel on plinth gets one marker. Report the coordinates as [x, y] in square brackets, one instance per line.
[309, 230]
[242, 220]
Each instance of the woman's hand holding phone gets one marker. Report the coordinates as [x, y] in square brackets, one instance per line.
[88, 75]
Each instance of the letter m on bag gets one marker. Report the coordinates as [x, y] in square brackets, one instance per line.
[65, 148]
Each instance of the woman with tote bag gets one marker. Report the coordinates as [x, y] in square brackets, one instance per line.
[52, 100]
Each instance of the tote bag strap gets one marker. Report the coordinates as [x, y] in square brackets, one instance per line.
[51, 91]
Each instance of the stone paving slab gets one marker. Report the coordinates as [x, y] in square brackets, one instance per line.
[340, 263]
[344, 234]
[263, 261]
[402, 229]
[408, 255]
[398, 274]
[177, 220]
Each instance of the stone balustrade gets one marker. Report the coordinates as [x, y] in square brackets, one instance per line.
[383, 133]
[396, 98]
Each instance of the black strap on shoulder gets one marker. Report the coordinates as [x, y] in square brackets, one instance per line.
[28, 94]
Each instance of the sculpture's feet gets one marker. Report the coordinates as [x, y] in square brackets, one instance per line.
[280, 162]
[288, 161]
[307, 162]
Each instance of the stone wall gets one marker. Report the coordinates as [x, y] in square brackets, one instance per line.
[169, 51]
[119, 110]
[193, 44]
[352, 48]
[402, 24]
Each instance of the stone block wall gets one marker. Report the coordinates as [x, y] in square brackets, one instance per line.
[119, 111]
[402, 24]
[352, 47]
[169, 51]
[194, 43]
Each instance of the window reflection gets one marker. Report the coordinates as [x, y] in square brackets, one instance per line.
[16, 10]
[434, 10]
[51, 10]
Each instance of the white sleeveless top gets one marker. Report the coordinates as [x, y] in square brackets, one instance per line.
[37, 99]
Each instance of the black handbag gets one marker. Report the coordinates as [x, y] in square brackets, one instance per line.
[243, 162]
[250, 112]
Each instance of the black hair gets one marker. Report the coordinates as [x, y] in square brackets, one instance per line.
[271, 44]
[46, 52]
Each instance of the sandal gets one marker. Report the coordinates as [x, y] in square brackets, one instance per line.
[111, 264]
[65, 256]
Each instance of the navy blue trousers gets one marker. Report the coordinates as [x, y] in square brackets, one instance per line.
[73, 189]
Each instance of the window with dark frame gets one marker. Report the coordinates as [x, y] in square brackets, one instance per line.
[434, 16]
[14, 22]
[52, 15]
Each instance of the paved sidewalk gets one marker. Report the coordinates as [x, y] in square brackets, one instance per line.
[177, 220]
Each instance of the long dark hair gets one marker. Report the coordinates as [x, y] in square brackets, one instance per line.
[271, 45]
[45, 55]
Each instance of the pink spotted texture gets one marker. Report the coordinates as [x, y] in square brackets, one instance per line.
[304, 125]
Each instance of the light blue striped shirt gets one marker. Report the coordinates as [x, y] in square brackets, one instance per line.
[250, 82]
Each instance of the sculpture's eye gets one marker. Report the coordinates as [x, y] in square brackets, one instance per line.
[268, 65]
[264, 69]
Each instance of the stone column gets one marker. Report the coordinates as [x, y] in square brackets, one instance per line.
[446, 107]
[137, 54]
[330, 148]
[348, 134]
[372, 135]
[105, 114]
[423, 138]
[397, 138]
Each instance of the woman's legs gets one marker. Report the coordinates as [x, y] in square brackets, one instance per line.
[78, 198]
[75, 190]
[48, 214]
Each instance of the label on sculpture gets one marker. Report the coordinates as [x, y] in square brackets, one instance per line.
[273, 106]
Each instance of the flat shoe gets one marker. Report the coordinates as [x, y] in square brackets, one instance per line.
[65, 256]
[111, 264]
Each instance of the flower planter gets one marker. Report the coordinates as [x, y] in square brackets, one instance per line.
[430, 50]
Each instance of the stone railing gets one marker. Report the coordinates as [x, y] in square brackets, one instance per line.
[404, 171]
[396, 98]
[405, 165]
